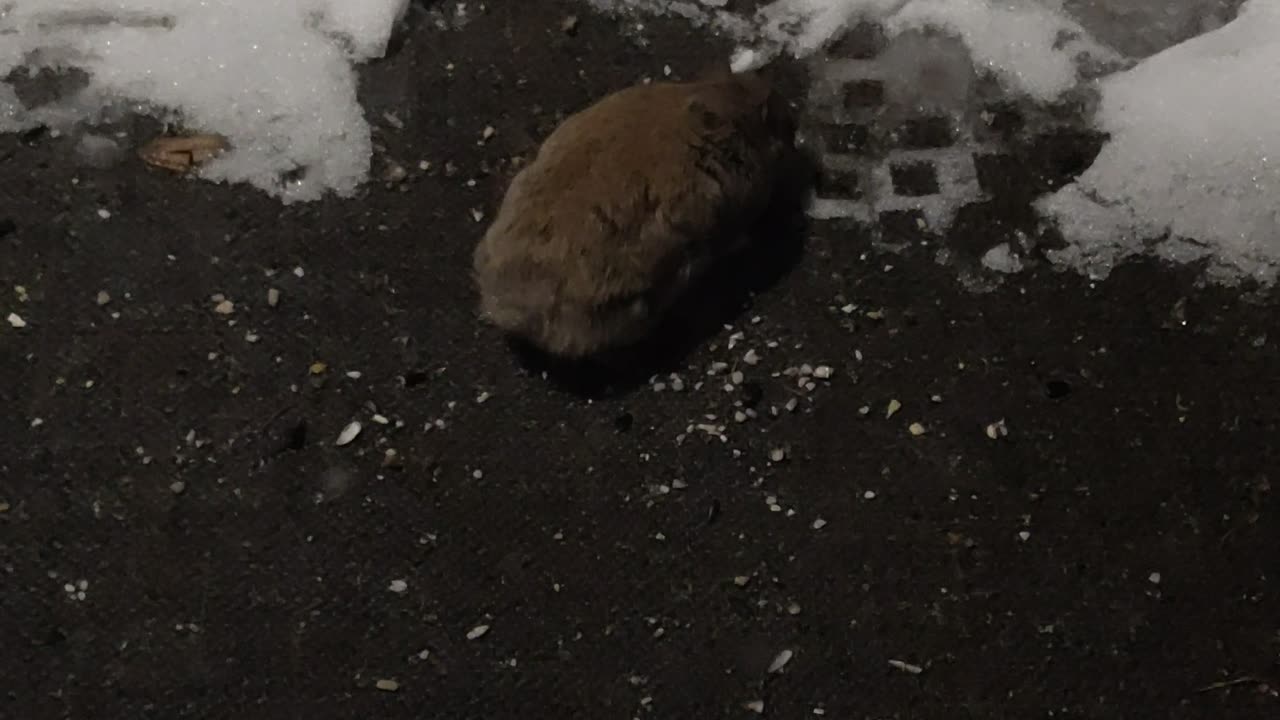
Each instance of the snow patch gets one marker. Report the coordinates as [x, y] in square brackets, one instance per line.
[274, 77]
[1192, 167]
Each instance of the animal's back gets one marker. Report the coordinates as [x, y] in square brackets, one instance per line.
[610, 218]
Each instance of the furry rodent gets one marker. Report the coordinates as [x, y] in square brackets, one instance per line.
[625, 205]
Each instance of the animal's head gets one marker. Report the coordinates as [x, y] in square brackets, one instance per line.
[725, 101]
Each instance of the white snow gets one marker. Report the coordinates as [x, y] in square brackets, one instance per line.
[1194, 155]
[274, 77]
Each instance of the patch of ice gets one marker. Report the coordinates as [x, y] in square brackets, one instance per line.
[1194, 156]
[273, 76]
[1033, 47]
[926, 75]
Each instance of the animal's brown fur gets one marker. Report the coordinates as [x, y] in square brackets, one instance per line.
[626, 203]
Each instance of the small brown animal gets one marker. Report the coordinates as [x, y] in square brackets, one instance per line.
[625, 205]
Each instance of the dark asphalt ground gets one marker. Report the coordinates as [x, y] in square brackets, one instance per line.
[1113, 556]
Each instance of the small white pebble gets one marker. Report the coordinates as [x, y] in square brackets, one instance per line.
[1024, 536]
[103, 297]
[755, 706]
[348, 433]
[477, 632]
[869, 495]
[736, 377]
[818, 524]
[224, 307]
[273, 297]
[298, 272]
[387, 685]
[906, 667]
[822, 372]
[380, 419]
[1154, 578]
[16, 321]
[894, 406]
[751, 358]
[477, 473]
[997, 430]
[916, 429]
[104, 213]
[777, 454]
[780, 661]
[177, 486]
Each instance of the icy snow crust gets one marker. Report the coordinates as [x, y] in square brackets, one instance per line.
[274, 77]
[1192, 167]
